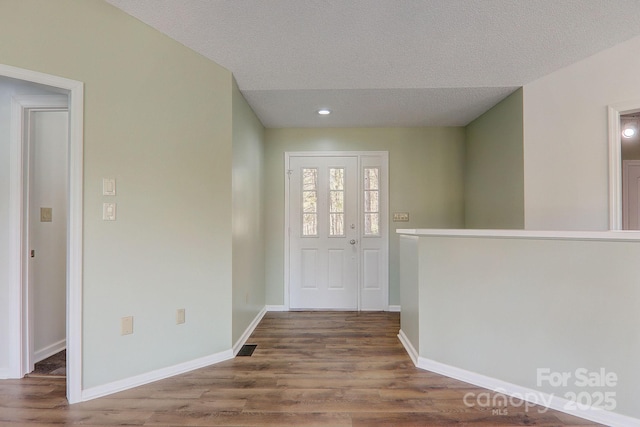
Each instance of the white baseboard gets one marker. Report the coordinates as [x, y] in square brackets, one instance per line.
[4, 374]
[276, 308]
[411, 351]
[160, 374]
[533, 396]
[394, 308]
[247, 333]
[49, 350]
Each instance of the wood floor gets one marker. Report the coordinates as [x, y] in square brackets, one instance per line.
[309, 369]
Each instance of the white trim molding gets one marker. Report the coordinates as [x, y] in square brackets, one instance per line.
[75, 92]
[529, 395]
[609, 236]
[160, 374]
[614, 112]
[411, 351]
[513, 390]
[247, 333]
[276, 308]
[394, 308]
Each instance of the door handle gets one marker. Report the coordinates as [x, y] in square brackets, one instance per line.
[352, 241]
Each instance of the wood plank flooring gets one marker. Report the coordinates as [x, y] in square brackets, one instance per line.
[309, 369]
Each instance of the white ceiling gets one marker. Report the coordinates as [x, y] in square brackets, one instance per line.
[387, 62]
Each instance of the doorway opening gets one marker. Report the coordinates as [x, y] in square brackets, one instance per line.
[45, 136]
[336, 231]
[16, 201]
[624, 166]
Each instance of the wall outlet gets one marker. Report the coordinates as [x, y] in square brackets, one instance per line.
[180, 316]
[127, 325]
[108, 211]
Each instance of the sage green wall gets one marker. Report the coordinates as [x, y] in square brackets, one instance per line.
[158, 119]
[410, 295]
[248, 214]
[425, 179]
[494, 167]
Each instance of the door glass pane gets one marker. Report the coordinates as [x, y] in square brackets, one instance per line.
[336, 179]
[336, 201]
[371, 202]
[310, 225]
[309, 202]
[371, 224]
[371, 178]
[336, 225]
[309, 178]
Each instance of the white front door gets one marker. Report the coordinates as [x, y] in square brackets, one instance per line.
[337, 234]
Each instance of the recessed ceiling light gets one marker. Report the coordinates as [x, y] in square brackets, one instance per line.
[628, 132]
[324, 111]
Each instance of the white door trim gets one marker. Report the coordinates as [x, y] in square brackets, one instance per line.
[615, 160]
[385, 189]
[75, 92]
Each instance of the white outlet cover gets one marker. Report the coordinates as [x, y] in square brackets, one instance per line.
[127, 325]
[109, 211]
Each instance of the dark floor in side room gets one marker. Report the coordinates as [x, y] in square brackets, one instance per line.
[55, 365]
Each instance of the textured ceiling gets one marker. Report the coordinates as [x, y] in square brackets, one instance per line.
[387, 62]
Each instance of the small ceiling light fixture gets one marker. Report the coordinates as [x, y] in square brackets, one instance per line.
[628, 132]
[324, 111]
[629, 127]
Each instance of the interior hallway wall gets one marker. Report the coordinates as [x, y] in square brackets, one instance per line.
[248, 215]
[425, 179]
[566, 157]
[494, 167]
[157, 119]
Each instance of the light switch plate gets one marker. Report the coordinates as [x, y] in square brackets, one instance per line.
[109, 211]
[127, 325]
[46, 214]
[108, 186]
[400, 216]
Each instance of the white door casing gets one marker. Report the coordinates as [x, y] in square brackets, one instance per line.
[631, 194]
[75, 91]
[340, 260]
[615, 160]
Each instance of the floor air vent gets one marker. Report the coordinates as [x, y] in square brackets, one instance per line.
[247, 350]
